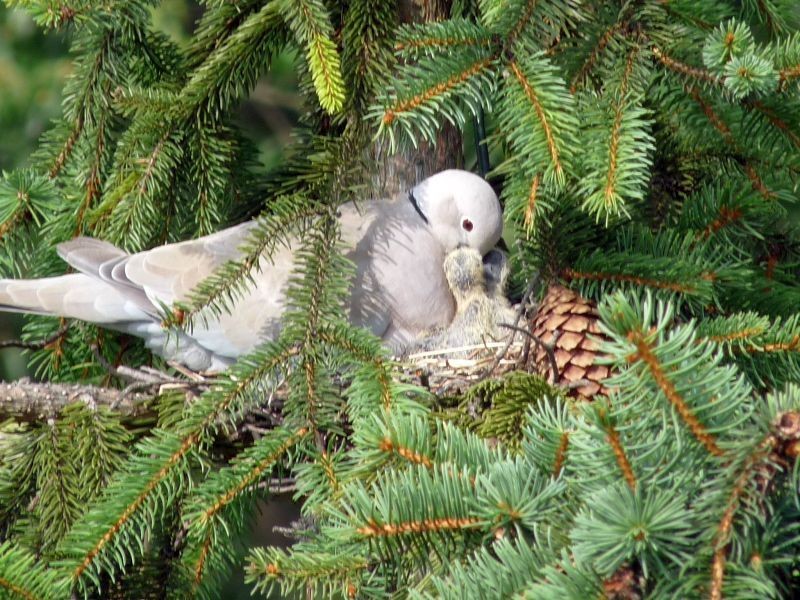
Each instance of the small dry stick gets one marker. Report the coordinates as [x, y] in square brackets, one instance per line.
[38, 345]
[546, 347]
[532, 285]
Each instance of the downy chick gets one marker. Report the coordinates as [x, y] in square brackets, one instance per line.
[481, 305]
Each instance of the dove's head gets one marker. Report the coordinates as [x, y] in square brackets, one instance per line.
[461, 209]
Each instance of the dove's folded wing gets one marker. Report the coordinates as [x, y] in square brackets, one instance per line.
[169, 273]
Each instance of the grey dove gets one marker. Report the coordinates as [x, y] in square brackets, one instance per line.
[399, 289]
[478, 287]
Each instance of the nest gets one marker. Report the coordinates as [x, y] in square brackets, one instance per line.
[451, 371]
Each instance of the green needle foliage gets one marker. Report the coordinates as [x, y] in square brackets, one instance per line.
[647, 156]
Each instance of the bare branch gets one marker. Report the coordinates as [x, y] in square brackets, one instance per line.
[38, 401]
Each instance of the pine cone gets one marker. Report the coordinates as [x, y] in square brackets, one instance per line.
[568, 318]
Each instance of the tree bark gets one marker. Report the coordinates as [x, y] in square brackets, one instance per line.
[31, 401]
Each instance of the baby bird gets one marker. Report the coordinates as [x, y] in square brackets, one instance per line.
[496, 271]
[478, 287]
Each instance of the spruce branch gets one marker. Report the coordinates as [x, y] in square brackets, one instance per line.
[767, 350]
[310, 23]
[724, 130]
[413, 103]
[25, 196]
[248, 469]
[644, 351]
[737, 493]
[773, 117]
[367, 61]
[22, 576]
[690, 72]
[588, 64]
[303, 568]
[556, 168]
[87, 89]
[230, 52]
[157, 473]
[618, 162]
[429, 39]
[286, 218]
[217, 508]
[619, 454]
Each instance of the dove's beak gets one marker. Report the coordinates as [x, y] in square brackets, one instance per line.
[415, 204]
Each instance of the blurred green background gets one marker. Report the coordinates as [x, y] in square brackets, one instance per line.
[33, 69]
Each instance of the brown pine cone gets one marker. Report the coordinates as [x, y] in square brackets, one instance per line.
[568, 318]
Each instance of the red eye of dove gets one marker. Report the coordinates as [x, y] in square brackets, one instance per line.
[467, 224]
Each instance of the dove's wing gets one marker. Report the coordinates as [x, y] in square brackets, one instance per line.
[399, 288]
[169, 273]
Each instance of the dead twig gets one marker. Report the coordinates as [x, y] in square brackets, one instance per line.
[37, 345]
[548, 348]
[533, 284]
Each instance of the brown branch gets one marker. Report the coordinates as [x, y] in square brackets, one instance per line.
[373, 529]
[524, 19]
[561, 453]
[533, 286]
[723, 129]
[776, 121]
[530, 208]
[252, 476]
[725, 526]
[684, 69]
[571, 274]
[187, 444]
[38, 401]
[409, 454]
[613, 150]
[622, 458]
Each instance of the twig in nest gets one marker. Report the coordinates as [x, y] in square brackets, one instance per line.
[37, 345]
[578, 383]
[551, 355]
[278, 486]
[532, 285]
[141, 380]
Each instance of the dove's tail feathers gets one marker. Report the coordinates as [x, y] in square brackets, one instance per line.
[88, 255]
[14, 298]
[76, 296]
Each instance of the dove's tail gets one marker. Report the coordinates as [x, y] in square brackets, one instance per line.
[76, 296]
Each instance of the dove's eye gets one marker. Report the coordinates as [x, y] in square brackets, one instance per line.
[467, 224]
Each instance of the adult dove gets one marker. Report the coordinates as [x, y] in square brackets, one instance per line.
[398, 292]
